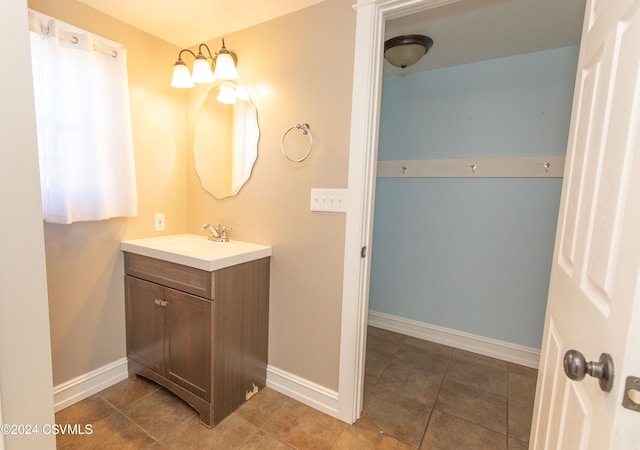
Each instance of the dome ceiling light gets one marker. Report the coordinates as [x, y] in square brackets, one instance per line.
[404, 51]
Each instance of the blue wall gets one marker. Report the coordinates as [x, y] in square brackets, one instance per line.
[472, 254]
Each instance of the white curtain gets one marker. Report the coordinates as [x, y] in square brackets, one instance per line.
[83, 119]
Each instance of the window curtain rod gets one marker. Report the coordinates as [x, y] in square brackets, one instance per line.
[44, 23]
[74, 40]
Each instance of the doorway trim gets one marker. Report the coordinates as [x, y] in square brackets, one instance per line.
[371, 16]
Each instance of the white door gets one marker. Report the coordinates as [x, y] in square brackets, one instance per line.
[594, 295]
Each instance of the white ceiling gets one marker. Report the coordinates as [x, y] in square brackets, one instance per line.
[186, 23]
[463, 32]
[476, 30]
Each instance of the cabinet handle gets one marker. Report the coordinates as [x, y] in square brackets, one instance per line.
[159, 302]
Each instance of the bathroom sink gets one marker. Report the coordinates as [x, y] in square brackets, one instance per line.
[196, 251]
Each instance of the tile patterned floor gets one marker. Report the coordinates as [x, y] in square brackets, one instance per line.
[417, 395]
[431, 396]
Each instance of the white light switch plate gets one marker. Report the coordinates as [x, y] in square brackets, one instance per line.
[159, 221]
[329, 200]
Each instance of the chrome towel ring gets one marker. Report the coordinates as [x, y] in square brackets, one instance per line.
[305, 129]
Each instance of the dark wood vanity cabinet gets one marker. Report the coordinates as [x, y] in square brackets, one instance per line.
[202, 335]
[159, 317]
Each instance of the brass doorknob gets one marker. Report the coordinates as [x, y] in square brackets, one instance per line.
[576, 367]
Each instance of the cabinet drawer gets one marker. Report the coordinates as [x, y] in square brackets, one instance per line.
[184, 278]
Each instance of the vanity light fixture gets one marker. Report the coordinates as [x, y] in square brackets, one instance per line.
[404, 51]
[230, 93]
[224, 62]
[227, 94]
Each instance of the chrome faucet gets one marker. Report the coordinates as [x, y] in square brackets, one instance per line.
[217, 232]
[213, 231]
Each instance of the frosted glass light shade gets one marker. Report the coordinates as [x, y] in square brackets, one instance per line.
[227, 94]
[181, 76]
[225, 67]
[242, 93]
[404, 55]
[404, 51]
[202, 70]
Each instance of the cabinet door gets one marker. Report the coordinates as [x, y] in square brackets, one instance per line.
[145, 323]
[188, 342]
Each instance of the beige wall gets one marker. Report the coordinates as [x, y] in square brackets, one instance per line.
[84, 263]
[299, 68]
[25, 361]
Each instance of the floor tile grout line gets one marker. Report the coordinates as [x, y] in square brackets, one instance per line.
[386, 365]
[508, 407]
[389, 358]
[394, 356]
[505, 433]
[157, 388]
[251, 436]
[507, 400]
[104, 419]
[435, 402]
[130, 403]
[136, 401]
[70, 436]
[147, 432]
[261, 427]
[475, 424]
[129, 419]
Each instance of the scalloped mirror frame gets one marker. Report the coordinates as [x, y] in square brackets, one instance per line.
[225, 144]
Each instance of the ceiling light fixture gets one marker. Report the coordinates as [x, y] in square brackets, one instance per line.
[206, 69]
[404, 51]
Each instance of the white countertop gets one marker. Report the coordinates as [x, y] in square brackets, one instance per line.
[196, 251]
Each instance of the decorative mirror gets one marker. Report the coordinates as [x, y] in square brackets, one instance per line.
[225, 144]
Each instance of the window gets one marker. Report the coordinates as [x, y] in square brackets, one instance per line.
[85, 143]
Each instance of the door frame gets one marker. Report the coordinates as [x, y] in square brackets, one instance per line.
[371, 16]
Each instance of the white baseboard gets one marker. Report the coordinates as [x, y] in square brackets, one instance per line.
[79, 388]
[494, 348]
[303, 390]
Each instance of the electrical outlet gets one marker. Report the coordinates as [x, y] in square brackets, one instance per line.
[329, 200]
[159, 221]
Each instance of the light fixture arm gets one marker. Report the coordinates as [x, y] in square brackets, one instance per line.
[185, 50]
[224, 50]
[208, 50]
[224, 62]
[212, 56]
